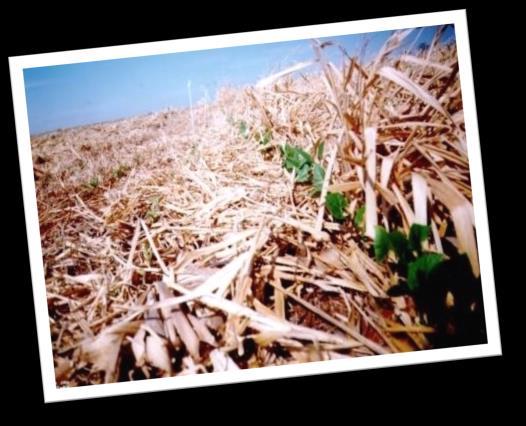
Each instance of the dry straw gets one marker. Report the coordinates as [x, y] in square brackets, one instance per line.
[175, 243]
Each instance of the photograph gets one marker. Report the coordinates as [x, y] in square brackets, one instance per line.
[268, 204]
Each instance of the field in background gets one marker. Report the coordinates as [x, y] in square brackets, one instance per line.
[311, 218]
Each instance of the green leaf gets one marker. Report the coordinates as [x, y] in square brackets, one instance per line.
[381, 243]
[399, 244]
[296, 159]
[417, 235]
[420, 270]
[264, 138]
[359, 217]
[319, 150]
[336, 203]
[243, 129]
[267, 137]
[303, 174]
[94, 182]
[153, 212]
[318, 176]
[297, 156]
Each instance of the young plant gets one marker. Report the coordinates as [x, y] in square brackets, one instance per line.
[318, 176]
[445, 290]
[413, 262]
[243, 128]
[319, 147]
[153, 213]
[421, 270]
[337, 204]
[359, 218]
[298, 161]
[93, 183]
[264, 138]
[306, 170]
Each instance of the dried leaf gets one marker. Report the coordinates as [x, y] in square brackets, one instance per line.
[420, 192]
[222, 362]
[412, 87]
[186, 333]
[157, 353]
[63, 369]
[463, 219]
[371, 218]
[103, 350]
[138, 345]
[202, 330]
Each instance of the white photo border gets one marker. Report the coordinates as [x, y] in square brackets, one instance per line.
[19, 63]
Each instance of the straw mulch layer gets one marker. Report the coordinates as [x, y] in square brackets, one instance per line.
[177, 243]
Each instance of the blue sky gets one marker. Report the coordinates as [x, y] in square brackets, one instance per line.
[76, 94]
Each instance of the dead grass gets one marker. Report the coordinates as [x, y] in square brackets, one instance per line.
[170, 251]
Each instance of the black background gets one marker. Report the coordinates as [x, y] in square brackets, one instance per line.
[423, 392]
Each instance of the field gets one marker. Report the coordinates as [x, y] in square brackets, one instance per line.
[313, 216]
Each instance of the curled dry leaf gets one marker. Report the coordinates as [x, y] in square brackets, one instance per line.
[63, 369]
[103, 350]
[138, 345]
[157, 353]
[222, 362]
[414, 88]
[202, 330]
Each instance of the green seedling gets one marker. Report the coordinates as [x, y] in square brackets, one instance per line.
[444, 289]
[318, 176]
[243, 128]
[414, 263]
[359, 218]
[381, 244]
[264, 138]
[114, 291]
[417, 235]
[319, 148]
[400, 246]
[93, 182]
[306, 170]
[337, 204]
[422, 269]
[298, 161]
[153, 213]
